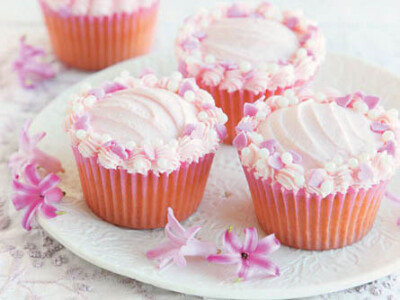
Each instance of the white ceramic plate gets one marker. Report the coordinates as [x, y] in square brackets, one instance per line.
[226, 202]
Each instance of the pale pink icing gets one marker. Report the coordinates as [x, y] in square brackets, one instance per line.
[97, 7]
[142, 114]
[145, 124]
[320, 142]
[319, 132]
[249, 39]
[255, 48]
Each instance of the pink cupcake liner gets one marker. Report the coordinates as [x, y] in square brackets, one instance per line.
[312, 222]
[141, 201]
[95, 42]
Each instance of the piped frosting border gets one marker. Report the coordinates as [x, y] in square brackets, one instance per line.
[230, 76]
[266, 161]
[196, 141]
[97, 8]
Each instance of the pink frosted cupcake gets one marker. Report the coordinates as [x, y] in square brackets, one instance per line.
[240, 52]
[318, 165]
[93, 34]
[142, 145]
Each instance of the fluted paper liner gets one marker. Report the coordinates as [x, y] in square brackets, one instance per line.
[308, 221]
[95, 42]
[232, 103]
[141, 201]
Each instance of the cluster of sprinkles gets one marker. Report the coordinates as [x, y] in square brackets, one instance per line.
[233, 76]
[195, 141]
[361, 171]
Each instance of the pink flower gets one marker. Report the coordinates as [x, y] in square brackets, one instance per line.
[28, 153]
[34, 193]
[30, 66]
[250, 255]
[182, 242]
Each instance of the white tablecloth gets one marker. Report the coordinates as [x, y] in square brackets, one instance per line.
[33, 266]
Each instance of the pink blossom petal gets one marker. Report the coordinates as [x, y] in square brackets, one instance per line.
[49, 182]
[265, 264]
[189, 129]
[47, 162]
[245, 126]
[200, 35]
[297, 159]
[271, 145]
[275, 161]
[162, 251]
[389, 147]
[243, 270]
[379, 127]
[344, 101]
[398, 222]
[392, 197]
[112, 87]
[226, 259]
[190, 44]
[235, 11]
[22, 188]
[49, 211]
[99, 93]
[250, 109]
[53, 196]
[317, 177]
[231, 242]
[364, 172]
[22, 201]
[32, 175]
[82, 122]
[182, 68]
[28, 216]
[267, 245]
[371, 101]
[292, 22]
[240, 141]
[187, 85]
[30, 66]
[221, 131]
[174, 229]
[198, 248]
[179, 260]
[250, 239]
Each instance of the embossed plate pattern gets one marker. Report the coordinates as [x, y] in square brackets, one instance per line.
[226, 202]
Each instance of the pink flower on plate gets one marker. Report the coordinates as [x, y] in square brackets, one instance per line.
[31, 67]
[248, 256]
[34, 193]
[28, 153]
[182, 242]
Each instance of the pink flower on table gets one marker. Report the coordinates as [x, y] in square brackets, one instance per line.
[30, 66]
[28, 153]
[34, 193]
[182, 242]
[248, 256]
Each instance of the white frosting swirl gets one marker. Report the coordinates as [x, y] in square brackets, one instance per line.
[249, 39]
[142, 114]
[319, 132]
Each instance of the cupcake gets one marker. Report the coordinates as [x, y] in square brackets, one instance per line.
[318, 165]
[240, 52]
[142, 145]
[92, 35]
